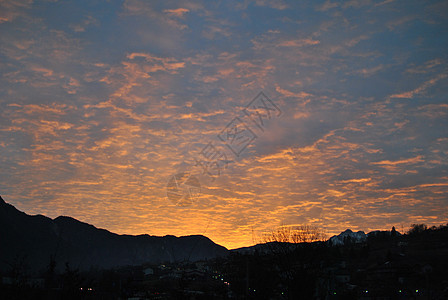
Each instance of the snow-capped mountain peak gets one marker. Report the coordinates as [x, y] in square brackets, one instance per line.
[348, 236]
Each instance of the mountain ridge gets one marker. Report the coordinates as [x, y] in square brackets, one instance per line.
[35, 240]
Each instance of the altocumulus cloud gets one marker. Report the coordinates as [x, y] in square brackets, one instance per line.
[100, 107]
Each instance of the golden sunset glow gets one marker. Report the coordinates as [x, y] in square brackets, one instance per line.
[99, 109]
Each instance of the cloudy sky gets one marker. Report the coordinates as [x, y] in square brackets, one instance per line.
[102, 103]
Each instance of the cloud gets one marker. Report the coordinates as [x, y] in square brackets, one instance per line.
[298, 43]
[413, 160]
[287, 93]
[327, 5]
[11, 9]
[144, 8]
[370, 71]
[81, 27]
[178, 12]
[276, 4]
[99, 112]
[421, 88]
[434, 111]
[426, 67]
[137, 71]
[401, 22]
[384, 2]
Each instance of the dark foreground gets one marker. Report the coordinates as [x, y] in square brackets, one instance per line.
[385, 266]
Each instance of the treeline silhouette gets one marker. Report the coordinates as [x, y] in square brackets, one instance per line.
[387, 265]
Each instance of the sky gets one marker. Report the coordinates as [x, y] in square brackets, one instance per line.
[226, 118]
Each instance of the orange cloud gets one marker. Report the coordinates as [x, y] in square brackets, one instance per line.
[413, 160]
[287, 93]
[298, 43]
[178, 12]
[420, 89]
[359, 180]
[9, 10]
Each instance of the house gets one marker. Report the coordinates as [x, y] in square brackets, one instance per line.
[148, 271]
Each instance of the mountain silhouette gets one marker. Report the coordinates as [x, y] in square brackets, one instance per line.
[33, 241]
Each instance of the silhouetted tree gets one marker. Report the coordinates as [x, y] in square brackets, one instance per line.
[393, 232]
[50, 273]
[295, 234]
[288, 246]
[71, 282]
[417, 228]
